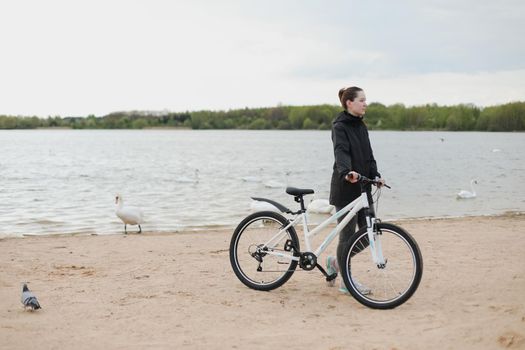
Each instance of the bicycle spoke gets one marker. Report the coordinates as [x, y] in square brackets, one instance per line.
[391, 284]
[257, 265]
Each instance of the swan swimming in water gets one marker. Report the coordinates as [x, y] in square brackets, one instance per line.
[128, 215]
[320, 206]
[463, 194]
[274, 184]
[256, 206]
[251, 179]
[189, 180]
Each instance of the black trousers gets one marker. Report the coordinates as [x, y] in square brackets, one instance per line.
[350, 229]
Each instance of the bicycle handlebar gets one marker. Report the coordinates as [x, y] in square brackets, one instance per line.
[366, 180]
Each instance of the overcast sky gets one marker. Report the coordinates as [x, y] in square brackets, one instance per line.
[98, 56]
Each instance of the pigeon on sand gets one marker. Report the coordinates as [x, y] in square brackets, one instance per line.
[29, 299]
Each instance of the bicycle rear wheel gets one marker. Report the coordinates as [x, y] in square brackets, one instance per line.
[383, 287]
[254, 247]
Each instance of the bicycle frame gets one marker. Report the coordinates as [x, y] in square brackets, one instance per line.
[352, 209]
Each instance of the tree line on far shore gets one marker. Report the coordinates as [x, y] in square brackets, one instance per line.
[463, 117]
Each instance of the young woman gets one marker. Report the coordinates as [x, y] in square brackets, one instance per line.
[353, 155]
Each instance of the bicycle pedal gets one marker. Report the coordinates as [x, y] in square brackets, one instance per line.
[331, 277]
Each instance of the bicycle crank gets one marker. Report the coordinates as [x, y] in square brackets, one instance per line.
[308, 261]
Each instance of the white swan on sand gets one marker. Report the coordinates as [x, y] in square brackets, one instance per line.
[320, 206]
[464, 194]
[128, 215]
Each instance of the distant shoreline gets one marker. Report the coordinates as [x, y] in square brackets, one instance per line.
[210, 228]
[241, 130]
[461, 117]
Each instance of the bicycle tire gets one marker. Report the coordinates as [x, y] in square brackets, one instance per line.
[386, 286]
[255, 230]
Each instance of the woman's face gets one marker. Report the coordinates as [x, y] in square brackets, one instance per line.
[357, 107]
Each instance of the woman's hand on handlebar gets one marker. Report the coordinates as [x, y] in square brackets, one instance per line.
[352, 177]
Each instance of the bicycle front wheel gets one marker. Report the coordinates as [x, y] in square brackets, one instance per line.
[388, 286]
[261, 252]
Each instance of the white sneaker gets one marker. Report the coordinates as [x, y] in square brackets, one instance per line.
[360, 287]
[331, 268]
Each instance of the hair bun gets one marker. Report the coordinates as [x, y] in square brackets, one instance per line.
[341, 92]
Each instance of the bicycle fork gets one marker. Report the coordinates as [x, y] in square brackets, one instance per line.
[374, 239]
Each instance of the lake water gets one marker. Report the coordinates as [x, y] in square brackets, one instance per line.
[65, 181]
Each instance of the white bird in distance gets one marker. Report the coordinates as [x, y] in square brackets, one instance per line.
[464, 194]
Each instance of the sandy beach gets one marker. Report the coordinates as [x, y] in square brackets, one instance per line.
[172, 291]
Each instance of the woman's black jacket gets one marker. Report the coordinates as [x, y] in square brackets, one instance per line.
[352, 152]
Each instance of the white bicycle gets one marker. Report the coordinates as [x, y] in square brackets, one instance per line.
[265, 251]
